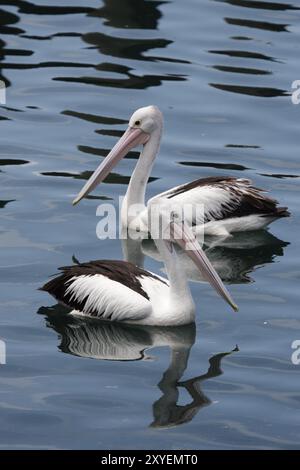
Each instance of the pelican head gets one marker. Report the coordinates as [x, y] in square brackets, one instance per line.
[173, 229]
[144, 123]
[147, 119]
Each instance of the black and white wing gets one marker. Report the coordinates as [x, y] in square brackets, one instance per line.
[222, 198]
[106, 289]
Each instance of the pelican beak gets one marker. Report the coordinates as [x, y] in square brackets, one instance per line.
[131, 138]
[181, 234]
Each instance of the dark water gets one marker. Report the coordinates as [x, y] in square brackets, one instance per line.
[221, 71]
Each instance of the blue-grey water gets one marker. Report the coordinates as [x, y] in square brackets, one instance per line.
[221, 72]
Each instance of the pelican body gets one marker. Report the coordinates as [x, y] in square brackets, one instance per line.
[121, 291]
[229, 204]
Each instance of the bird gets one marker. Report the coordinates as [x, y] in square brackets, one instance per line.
[225, 204]
[118, 290]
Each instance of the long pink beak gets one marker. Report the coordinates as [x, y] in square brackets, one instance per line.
[131, 138]
[184, 237]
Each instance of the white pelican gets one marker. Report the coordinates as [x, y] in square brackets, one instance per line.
[230, 204]
[121, 291]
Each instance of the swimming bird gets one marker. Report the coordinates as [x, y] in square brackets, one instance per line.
[121, 291]
[229, 204]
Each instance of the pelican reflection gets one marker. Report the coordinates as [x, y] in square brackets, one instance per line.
[123, 342]
[234, 258]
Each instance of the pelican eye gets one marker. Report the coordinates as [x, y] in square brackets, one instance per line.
[137, 123]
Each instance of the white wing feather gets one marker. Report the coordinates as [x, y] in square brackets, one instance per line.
[110, 299]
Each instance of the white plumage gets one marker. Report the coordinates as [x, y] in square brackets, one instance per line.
[112, 300]
[216, 203]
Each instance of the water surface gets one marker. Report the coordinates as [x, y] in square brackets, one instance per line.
[221, 71]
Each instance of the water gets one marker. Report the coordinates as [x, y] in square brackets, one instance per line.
[221, 71]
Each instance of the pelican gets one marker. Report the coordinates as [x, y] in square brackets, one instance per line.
[229, 204]
[121, 291]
